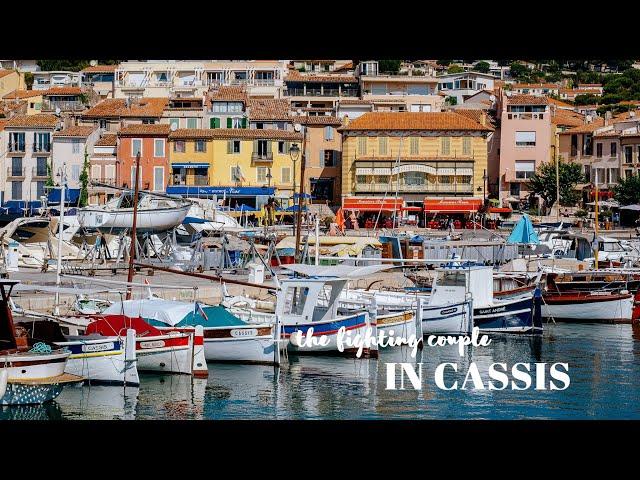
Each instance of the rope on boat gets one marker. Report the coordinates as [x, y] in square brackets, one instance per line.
[40, 347]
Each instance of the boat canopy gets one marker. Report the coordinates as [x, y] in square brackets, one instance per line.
[340, 246]
[336, 271]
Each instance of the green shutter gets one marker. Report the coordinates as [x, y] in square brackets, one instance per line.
[229, 146]
[244, 122]
[229, 122]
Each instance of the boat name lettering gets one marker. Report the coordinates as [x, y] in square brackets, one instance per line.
[98, 347]
[446, 311]
[492, 310]
[244, 332]
[154, 344]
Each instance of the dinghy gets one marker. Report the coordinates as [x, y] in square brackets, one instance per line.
[597, 306]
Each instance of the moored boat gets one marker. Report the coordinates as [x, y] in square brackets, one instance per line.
[597, 306]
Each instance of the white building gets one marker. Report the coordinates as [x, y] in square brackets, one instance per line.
[463, 85]
[69, 147]
[46, 80]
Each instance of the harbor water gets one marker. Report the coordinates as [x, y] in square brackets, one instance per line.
[604, 366]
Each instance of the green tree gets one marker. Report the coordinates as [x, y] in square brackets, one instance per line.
[543, 183]
[444, 63]
[49, 182]
[482, 67]
[587, 99]
[390, 66]
[627, 191]
[455, 69]
[28, 80]
[519, 71]
[451, 100]
[84, 180]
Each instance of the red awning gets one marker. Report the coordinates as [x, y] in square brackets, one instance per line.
[412, 209]
[452, 205]
[499, 210]
[372, 204]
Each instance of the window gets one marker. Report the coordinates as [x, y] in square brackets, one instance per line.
[102, 124]
[148, 121]
[16, 142]
[136, 147]
[235, 147]
[110, 173]
[262, 148]
[200, 145]
[158, 147]
[95, 172]
[42, 142]
[362, 145]
[614, 149]
[525, 168]
[16, 166]
[281, 148]
[445, 146]
[466, 145]
[329, 158]
[295, 299]
[416, 178]
[328, 133]
[414, 146]
[174, 123]
[382, 145]
[75, 172]
[40, 188]
[286, 175]
[236, 174]
[192, 123]
[628, 154]
[75, 146]
[599, 150]
[178, 146]
[214, 122]
[587, 144]
[261, 174]
[16, 190]
[133, 177]
[239, 122]
[41, 167]
[158, 178]
[525, 139]
[514, 189]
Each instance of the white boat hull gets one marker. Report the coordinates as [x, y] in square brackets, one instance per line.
[158, 220]
[453, 319]
[240, 350]
[616, 310]
[37, 365]
[165, 353]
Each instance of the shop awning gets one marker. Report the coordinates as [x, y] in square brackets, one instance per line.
[412, 209]
[452, 205]
[499, 210]
[372, 204]
[195, 191]
[190, 165]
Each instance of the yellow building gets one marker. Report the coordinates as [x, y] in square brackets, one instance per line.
[9, 81]
[417, 156]
[235, 157]
[32, 98]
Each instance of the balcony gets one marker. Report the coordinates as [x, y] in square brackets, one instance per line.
[261, 157]
[64, 106]
[16, 173]
[317, 92]
[42, 147]
[420, 188]
[196, 180]
[16, 148]
[39, 173]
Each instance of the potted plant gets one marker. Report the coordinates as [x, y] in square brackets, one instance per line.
[581, 215]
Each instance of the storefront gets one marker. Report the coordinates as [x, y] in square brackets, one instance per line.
[254, 197]
[461, 210]
[373, 212]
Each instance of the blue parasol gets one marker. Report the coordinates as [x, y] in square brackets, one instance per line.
[524, 233]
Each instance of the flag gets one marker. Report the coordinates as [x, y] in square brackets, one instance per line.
[340, 219]
[202, 312]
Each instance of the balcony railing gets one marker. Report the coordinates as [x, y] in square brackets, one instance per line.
[16, 172]
[262, 157]
[64, 106]
[16, 148]
[198, 180]
[316, 92]
[42, 147]
[39, 172]
[427, 187]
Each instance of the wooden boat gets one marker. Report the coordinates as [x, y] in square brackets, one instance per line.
[156, 213]
[226, 337]
[99, 359]
[27, 376]
[577, 306]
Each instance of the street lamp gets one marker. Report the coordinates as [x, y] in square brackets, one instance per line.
[269, 177]
[484, 185]
[294, 153]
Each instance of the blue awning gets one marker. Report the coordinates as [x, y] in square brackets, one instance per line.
[195, 191]
[304, 195]
[245, 208]
[190, 165]
[194, 220]
[71, 196]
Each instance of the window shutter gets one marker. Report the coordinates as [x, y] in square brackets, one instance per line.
[212, 122]
[229, 122]
[229, 146]
[322, 158]
[244, 122]
[255, 146]
[217, 124]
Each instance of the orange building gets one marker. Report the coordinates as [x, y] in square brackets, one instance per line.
[151, 141]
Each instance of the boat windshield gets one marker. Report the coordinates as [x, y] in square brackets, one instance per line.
[452, 279]
[126, 201]
[295, 300]
[611, 247]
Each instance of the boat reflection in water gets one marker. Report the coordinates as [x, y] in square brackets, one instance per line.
[99, 402]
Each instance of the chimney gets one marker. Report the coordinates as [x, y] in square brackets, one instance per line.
[483, 119]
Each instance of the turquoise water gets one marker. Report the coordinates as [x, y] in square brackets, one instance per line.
[604, 366]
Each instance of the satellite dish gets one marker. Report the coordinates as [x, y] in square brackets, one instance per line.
[297, 127]
[173, 127]
[58, 110]
[492, 98]
[93, 63]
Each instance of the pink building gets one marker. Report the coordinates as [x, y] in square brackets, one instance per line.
[525, 142]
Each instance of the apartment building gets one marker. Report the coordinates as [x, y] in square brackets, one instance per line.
[151, 142]
[46, 80]
[419, 155]
[352, 108]
[226, 108]
[535, 88]
[570, 94]
[9, 82]
[184, 112]
[27, 155]
[177, 78]
[319, 91]
[525, 143]
[70, 146]
[464, 85]
[32, 98]
[104, 163]
[101, 79]
[113, 113]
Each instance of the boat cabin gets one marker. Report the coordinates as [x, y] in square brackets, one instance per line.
[454, 284]
[304, 300]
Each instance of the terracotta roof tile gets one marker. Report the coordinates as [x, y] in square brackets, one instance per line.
[145, 129]
[229, 94]
[23, 94]
[117, 108]
[268, 109]
[107, 140]
[625, 116]
[474, 114]
[318, 120]
[536, 85]
[295, 76]
[4, 73]
[527, 100]
[3, 122]
[559, 103]
[40, 120]
[567, 118]
[242, 133]
[415, 121]
[586, 128]
[75, 131]
[13, 106]
[100, 69]
[62, 91]
[354, 101]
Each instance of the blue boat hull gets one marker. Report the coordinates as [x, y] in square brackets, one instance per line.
[520, 315]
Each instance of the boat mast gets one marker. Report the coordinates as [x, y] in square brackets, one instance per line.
[596, 218]
[132, 250]
[302, 180]
[63, 187]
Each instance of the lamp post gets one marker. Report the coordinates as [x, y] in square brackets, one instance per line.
[294, 153]
[556, 161]
[269, 177]
[63, 186]
[484, 186]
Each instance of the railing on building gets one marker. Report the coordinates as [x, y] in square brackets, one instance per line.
[39, 172]
[64, 106]
[16, 172]
[262, 157]
[390, 188]
[42, 147]
[16, 147]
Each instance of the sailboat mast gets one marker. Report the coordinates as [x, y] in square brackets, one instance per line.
[132, 250]
[63, 187]
[596, 226]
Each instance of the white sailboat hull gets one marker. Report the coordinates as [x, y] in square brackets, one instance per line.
[615, 310]
[154, 220]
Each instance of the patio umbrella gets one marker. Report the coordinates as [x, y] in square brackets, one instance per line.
[524, 233]
[631, 207]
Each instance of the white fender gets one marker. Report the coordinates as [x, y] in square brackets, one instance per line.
[130, 366]
[200, 368]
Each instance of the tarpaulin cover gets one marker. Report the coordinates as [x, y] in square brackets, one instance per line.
[71, 195]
